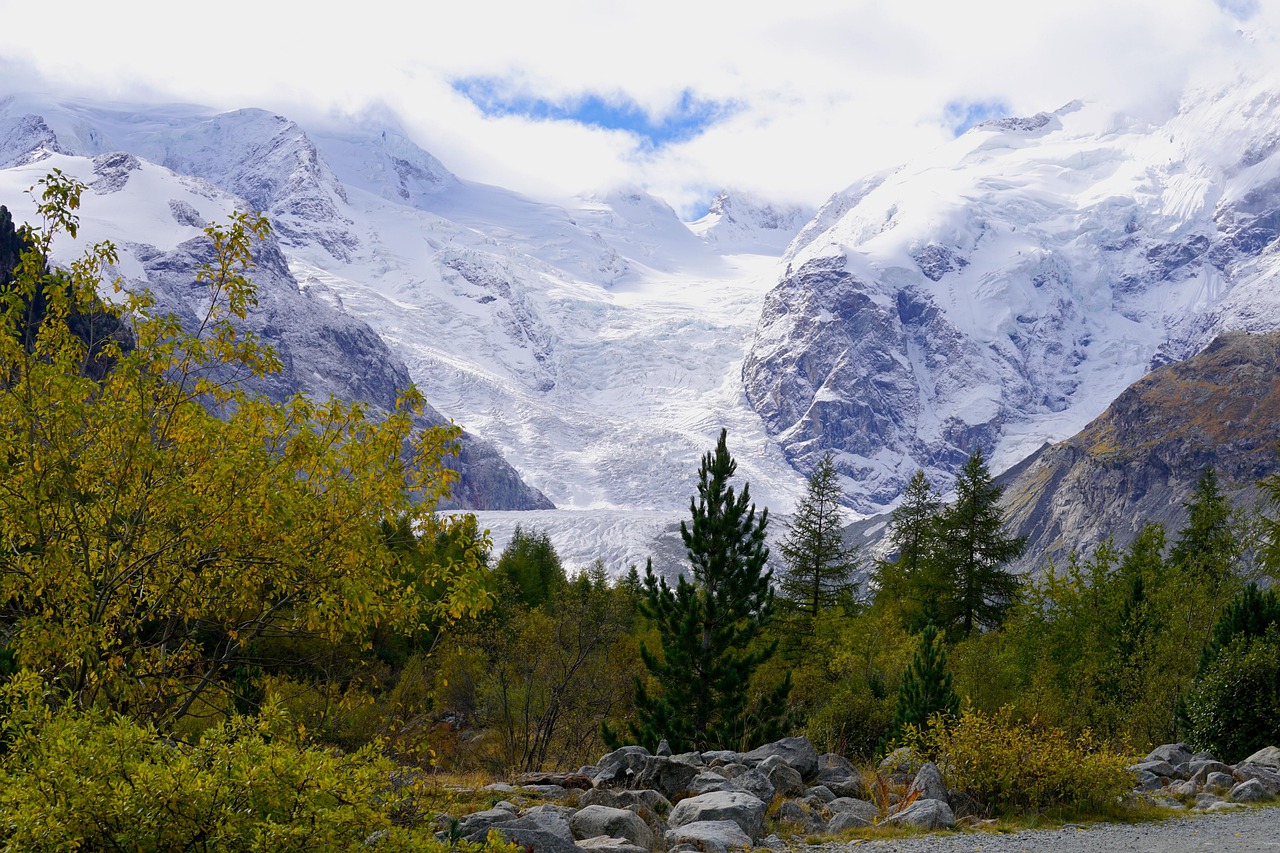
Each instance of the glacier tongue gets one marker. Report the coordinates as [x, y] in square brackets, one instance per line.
[597, 343]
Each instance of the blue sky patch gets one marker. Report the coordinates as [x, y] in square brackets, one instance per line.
[1241, 10]
[691, 114]
[962, 115]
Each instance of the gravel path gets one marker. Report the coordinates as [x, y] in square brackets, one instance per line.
[1245, 831]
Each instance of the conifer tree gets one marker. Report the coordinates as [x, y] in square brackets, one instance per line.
[1250, 615]
[709, 627]
[973, 550]
[926, 685]
[819, 565]
[531, 567]
[912, 582]
[1209, 546]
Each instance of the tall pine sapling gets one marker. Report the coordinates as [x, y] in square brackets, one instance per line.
[926, 685]
[709, 627]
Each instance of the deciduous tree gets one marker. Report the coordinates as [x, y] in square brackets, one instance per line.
[146, 544]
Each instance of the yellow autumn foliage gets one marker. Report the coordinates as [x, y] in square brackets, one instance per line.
[145, 542]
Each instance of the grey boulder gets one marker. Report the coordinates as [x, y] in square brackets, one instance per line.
[1251, 791]
[745, 810]
[925, 814]
[797, 752]
[709, 836]
[1267, 757]
[594, 821]
[1173, 753]
[928, 783]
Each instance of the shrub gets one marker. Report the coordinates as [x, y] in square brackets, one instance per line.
[1233, 709]
[96, 781]
[1011, 765]
[854, 723]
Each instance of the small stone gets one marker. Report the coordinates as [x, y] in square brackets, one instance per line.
[846, 821]
[1219, 782]
[1147, 781]
[605, 844]
[821, 792]
[1203, 801]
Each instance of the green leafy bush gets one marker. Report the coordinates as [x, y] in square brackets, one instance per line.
[854, 723]
[1233, 709]
[1011, 765]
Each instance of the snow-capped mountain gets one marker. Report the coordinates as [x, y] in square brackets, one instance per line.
[1001, 292]
[156, 216]
[744, 222]
[597, 342]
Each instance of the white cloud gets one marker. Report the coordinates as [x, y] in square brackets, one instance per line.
[825, 91]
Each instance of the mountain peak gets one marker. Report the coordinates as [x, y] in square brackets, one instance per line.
[742, 220]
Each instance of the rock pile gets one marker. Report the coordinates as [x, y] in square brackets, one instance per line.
[632, 801]
[1172, 773]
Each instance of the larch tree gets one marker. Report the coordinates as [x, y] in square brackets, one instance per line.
[819, 565]
[709, 627]
[973, 550]
[912, 583]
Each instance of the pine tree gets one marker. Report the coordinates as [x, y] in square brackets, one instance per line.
[912, 582]
[926, 685]
[973, 550]
[819, 566]
[708, 627]
[1209, 546]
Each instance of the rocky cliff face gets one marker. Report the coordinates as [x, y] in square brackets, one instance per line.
[1139, 461]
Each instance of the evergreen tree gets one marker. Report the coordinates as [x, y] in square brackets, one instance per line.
[1210, 546]
[912, 582]
[819, 566]
[926, 685]
[531, 567]
[973, 550]
[709, 626]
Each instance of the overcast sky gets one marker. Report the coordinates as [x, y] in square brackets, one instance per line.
[791, 100]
